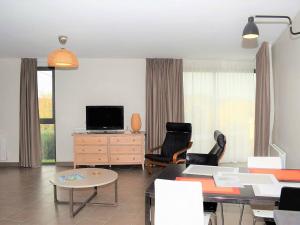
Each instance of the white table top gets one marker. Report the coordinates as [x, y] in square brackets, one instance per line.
[90, 177]
[284, 217]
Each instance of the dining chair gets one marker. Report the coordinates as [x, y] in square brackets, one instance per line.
[289, 200]
[263, 163]
[179, 203]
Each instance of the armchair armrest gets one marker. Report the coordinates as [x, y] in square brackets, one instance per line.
[155, 148]
[178, 153]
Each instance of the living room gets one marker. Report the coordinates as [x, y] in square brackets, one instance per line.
[211, 70]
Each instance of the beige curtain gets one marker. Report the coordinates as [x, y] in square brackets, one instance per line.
[262, 101]
[29, 136]
[164, 97]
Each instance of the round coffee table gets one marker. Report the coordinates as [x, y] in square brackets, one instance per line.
[84, 178]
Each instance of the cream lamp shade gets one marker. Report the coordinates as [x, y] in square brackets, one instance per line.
[62, 58]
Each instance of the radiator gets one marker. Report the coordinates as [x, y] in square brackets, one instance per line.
[277, 151]
[3, 150]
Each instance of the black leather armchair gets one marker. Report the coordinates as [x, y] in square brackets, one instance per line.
[215, 154]
[174, 147]
[210, 159]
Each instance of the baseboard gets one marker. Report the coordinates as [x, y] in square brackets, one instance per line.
[64, 164]
[9, 164]
[16, 164]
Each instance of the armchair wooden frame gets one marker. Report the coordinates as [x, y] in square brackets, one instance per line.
[175, 160]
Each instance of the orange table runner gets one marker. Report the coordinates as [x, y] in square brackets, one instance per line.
[281, 175]
[208, 186]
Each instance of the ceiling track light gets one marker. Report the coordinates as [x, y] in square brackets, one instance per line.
[251, 30]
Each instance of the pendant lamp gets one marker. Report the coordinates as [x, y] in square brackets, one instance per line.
[62, 58]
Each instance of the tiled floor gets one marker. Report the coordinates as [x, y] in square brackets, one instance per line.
[26, 198]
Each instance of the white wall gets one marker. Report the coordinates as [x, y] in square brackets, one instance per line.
[9, 106]
[96, 82]
[286, 68]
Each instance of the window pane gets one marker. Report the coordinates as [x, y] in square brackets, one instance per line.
[45, 94]
[48, 143]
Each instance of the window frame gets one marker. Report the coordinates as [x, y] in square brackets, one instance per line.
[49, 120]
[52, 120]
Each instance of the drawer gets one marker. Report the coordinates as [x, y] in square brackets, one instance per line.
[90, 140]
[125, 158]
[129, 149]
[91, 158]
[85, 149]
[127, 140]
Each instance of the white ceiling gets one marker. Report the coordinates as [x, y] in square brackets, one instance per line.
[195, 29]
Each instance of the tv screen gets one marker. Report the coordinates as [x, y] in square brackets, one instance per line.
[104, 117]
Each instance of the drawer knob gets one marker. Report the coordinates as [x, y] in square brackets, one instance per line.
[117, 158]
[133, 158]
[133, 140]
[83, 150]
[99, 149]
[99, 158]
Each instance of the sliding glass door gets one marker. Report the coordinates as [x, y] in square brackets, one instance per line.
[223, 101]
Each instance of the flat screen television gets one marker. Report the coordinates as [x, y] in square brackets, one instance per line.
[104, 117]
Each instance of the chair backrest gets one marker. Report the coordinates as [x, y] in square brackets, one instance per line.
[265, 162]
[178, 203]
[219, 148]
[177, 137]
[289, 199]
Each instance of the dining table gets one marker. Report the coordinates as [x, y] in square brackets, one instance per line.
[243, 195]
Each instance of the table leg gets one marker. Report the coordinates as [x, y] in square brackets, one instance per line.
[116, 191]
[81, 204]
[241, 216]
[55, 193]
[147, 210]
[71, 202]
[74, 212]
[222, 213]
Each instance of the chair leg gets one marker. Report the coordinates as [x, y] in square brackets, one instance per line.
[215, 219]
[254, 220]
[241, 216]
[222, 213]
[149, 167]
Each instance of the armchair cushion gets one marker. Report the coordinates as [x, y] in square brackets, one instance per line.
[158, 158]
[202, 159]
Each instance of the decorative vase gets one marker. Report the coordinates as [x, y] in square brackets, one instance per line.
[136, 122]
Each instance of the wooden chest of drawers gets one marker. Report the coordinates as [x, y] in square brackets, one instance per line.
[109, 149]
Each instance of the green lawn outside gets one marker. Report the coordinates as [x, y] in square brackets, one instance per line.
[48, 143]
